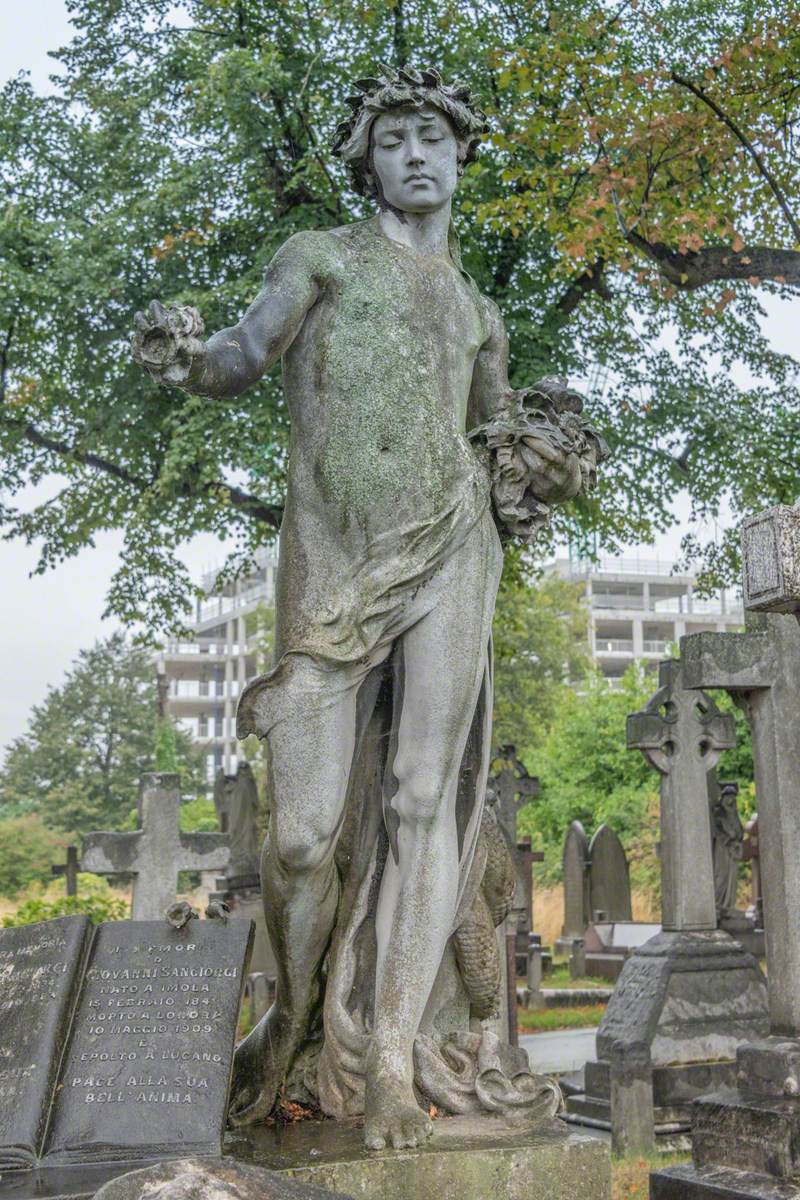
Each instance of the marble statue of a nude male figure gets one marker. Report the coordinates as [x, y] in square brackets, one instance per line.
[388, 570]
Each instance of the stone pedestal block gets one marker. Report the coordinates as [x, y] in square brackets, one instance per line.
[690, 999]
[468, 1158]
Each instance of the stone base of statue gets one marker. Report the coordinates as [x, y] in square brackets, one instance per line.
[469, 1157]
[683, 1005]
[745, 1139]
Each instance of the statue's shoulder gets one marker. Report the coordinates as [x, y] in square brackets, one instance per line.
[325, 253]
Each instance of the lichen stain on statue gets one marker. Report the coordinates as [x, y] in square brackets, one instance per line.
[383, 873]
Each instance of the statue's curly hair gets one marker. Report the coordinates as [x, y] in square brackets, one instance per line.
[404, 88]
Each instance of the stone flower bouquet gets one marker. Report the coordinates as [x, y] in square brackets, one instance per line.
[166, 341]
[539, 452]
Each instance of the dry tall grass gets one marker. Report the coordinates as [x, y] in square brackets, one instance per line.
[548, 910]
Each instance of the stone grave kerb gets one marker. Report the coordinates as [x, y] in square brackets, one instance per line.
[682, 734]
[155, 852]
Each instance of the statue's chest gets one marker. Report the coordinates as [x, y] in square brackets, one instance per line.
[400, 301]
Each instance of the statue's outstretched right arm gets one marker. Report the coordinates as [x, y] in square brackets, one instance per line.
[168, 345]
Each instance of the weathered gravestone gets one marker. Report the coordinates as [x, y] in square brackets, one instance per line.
[596, 884]
[236, 802]
[116, 1043]
[747, 1141]
[157, 851]
[576, 888]
[691, 995]
[69, 870]
[609, 879]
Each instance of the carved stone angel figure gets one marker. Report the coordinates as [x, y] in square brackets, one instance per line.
[380, 874]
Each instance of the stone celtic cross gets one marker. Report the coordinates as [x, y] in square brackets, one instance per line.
[682, 735]
[761, 670]
[157, 851]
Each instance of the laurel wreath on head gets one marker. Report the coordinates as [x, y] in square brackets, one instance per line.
[404, 88]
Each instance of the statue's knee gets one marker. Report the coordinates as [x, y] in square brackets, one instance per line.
[420, 793]
[300, 852]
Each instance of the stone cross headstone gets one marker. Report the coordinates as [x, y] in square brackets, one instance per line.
[155, 852]
[69, 870]
[690, 996]
[513, 787]
[746, 1140]
[609, 878]
[682, 735]
[762, 669]
[576, 886]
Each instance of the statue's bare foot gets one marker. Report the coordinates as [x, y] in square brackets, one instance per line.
[259, 1069]
[393, 1117]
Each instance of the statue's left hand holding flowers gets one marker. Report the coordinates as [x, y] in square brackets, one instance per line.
[167, 342]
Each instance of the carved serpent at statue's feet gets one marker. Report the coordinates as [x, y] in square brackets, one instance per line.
[475, 940]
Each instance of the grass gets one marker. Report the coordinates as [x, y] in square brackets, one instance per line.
[548, 1020]
[560, 977]
[630, 1177]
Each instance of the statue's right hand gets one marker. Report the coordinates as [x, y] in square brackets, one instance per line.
[167, 341]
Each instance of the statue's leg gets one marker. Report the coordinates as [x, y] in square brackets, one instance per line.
[444, 661]
[310, 757]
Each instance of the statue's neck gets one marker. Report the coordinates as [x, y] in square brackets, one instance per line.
[427, 233]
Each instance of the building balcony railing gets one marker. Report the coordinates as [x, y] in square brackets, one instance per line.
[604, 600]
[614, 646]
[654, 646]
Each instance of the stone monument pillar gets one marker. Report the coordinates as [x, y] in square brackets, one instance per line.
[746, 1142]
[690, 996]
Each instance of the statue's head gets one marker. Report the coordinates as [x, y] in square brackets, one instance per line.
[408, 138]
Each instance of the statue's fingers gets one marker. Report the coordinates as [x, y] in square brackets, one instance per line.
[141, 321]
[156, 311]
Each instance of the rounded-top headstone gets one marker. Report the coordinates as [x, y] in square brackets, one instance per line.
[609, 879]
[576, 892]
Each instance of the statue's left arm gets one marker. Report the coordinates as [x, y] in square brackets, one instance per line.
[490, 389]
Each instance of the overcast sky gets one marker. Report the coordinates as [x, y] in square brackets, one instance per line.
[46, 620]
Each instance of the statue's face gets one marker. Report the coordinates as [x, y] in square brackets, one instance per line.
[415, 155]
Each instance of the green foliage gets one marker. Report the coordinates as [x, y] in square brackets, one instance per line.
[89, 742]
[95, 899]
[540, 645]
[28, 849]
[177, 154]
[166, 756]
[199, 816]
[586, 772]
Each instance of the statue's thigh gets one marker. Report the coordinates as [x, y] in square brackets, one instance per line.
[310, 752]
[444, 662]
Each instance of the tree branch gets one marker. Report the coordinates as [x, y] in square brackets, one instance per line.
[592, 280]
[246, 503]
[697, 268]
[743, 139]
